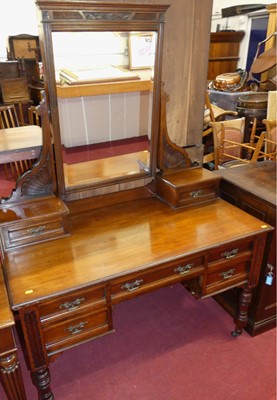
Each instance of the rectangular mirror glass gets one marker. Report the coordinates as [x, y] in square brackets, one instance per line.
[105, 100]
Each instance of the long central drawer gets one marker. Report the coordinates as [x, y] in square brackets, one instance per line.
[141, 282]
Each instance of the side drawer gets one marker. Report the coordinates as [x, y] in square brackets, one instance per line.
[20, 234]
[197, 195]
[223, 278]
[78, 300]
[135, 284]
[68, 332]
[231, 251]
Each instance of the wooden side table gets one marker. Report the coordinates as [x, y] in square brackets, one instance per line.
[252, 188]
[10, 371]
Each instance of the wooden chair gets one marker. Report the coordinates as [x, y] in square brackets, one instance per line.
[230, 150]
[212, 114]
[216, 113]
[270, 140]
[33, 117]
[9, 119]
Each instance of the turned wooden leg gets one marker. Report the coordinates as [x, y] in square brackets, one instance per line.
[241, 317]
[37, 355]
[41, 380]
[11, 377]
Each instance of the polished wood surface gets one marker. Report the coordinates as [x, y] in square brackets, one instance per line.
[259, 179]
[253, 189]
[108, 242]
[20, 143]
[10, 372]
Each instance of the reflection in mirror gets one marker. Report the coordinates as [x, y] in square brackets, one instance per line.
[20, 147]
[104, 88]
[6, 184]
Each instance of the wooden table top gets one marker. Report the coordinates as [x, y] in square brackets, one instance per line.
[20, 138]
[259, 179]
[112, 241]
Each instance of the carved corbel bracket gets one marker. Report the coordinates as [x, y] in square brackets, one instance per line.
[171, 157]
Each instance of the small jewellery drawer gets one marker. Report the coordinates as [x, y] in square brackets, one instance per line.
[170, 273]
[35, 221]
[22, 234]
[236, 250]
[197, 195]
[188, 187]
[71, 302]
[67, 332]
[220, 279]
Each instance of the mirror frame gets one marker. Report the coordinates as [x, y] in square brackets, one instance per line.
[78, 16]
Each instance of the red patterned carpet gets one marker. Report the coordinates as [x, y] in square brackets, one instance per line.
[167, 346]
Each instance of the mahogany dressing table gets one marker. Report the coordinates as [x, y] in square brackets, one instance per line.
[65, 289]
[71, 254]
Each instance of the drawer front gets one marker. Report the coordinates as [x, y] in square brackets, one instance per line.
[73, 302]
[227, 277]
[68, 332]
[135, 284]
[198, 194]
[231, 251]
[18, 235]
[9, 70]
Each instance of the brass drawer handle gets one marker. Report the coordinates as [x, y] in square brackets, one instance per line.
[230, 254]
[183, 270]
[196, 193]
[72, 305]
[227, 274]
[76, 328]
[36, 231]
[131, 286]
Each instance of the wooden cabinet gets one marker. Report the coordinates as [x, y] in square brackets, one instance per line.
[224, 52]
[10, 370]
[9, 69]
[253, 188]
